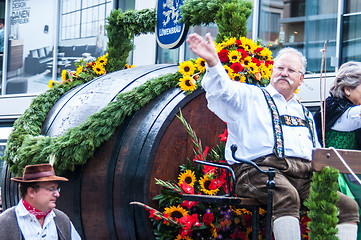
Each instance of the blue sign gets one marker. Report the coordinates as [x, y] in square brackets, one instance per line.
[170, 32]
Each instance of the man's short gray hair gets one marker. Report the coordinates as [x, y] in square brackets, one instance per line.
[295, 52]
[349, 75]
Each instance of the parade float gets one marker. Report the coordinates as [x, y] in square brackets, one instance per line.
[113, 130]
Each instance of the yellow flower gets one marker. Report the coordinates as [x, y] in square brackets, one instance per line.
[98, 69]
[297, 90]
[253, 68]
[188, 176]
[219, 47]
[175, 212]
[230, 41]
[234, 56]
[246, 61]
[186, 68]
[214, 231]
[179, 237]
[248, 231]
[187, 83]
[229, 71]
[242, 79]
[102, 60]
[63, 75]
[201, 64]
[129, 66]
[262, 211]
[79, 70]
[51, 83]
[204, 182]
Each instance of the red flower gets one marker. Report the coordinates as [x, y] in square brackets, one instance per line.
[224, 136]
[256, 61]
[236, 67]
[268, 63]
[258, 50]
[188, 221]
[200, 156]
[188, 204]
[238, 42]
[187, 188]
[209, 169]
[208, 218]
[243, 52]
[223, 56]
[153, 214]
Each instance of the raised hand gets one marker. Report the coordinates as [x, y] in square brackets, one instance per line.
[203, 48]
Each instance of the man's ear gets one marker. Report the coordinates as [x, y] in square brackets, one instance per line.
[301, 79]
[31, 191]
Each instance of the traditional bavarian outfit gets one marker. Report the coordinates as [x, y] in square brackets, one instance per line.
[343, 131]
[272, 132]
[21, 221]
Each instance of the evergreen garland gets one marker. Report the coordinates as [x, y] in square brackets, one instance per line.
[121, 30]
[230, 16]
[321, 205]
[77, 145]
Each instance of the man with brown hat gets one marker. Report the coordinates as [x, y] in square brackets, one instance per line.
[35, 216]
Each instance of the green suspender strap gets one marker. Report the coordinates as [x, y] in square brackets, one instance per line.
[278, 148]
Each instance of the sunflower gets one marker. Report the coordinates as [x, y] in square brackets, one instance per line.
[103, 60]
[98, 69]
[129, 66]
[51, 83]
[230, 41]
[204, 183]
[234, 56]
[246, 61]
[219, 47]
[236, 77]
[242, 79]
[188, 177]
[175, 212]
[229, 71]
[187, 83]
[63, 75]
[179, 237]
[79, 70]
[201, 64]
[186, 68]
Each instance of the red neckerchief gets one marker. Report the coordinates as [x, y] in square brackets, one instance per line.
[37, 213]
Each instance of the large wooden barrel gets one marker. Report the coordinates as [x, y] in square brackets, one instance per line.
[150, 144]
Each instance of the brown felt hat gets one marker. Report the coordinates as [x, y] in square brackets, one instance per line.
[39, 173]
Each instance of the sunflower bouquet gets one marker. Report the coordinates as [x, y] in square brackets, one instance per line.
[244, 60]
[85, 71]
[180, 219]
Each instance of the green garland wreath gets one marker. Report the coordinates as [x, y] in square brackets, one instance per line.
[26, 145]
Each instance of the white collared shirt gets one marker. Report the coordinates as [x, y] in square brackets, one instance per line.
[31, 228]
[350, 120]
[245, 110]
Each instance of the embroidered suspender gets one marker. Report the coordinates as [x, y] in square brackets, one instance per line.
[277, 121]
[310, 125]
[278, 148]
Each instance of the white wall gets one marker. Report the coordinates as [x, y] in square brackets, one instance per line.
[145, 45]
[32, 33]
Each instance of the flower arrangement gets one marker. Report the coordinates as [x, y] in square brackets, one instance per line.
[244, 60]
[84, 71]
[190, 220]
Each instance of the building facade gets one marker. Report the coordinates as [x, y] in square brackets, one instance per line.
[44, 37]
